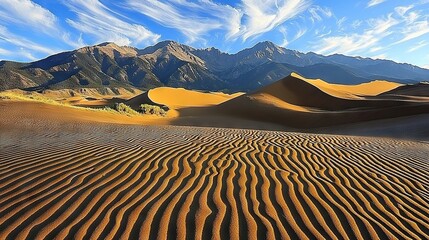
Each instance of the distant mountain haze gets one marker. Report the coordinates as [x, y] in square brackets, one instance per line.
[169, 63]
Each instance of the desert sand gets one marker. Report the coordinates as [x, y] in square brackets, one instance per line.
[308, 104]
[102, 181]
[74, 173]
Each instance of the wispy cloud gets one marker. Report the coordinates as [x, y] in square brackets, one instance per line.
[415, 30]
[96, 19]
[192, 19]
[283, 31]
[418, 46]
[301, 30]
[31, 16]
[7, 36]
[372, 3]
[355, 42]
[340, 22]
[317, 13]
[357, 23]
[263, 16]
[401, 10]
[28, 13]
[195, 19]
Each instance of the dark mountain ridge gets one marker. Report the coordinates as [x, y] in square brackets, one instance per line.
[169, 63]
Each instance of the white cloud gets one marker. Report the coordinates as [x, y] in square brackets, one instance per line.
[94, 18]
[415, 30]
[412, 17]
[27, 54]
[355, 42]
[28, 13]
[299, 32]
[283, 31]
[192, 19]
[20, 53]
[357, 23]
[375, 49]
[380, 56]
[262, 16]
[76, 43]
[372, 3]
[401, 10]
[7, 36]
[196, 18]
[317, 13]
[418, 46]
[324, 34]
[340, 22]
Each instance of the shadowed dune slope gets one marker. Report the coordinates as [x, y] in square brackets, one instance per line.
[419, 90]
[298, 102]
[93, 181]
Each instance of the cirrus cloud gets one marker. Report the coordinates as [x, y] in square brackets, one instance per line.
[373, 3]
[190, 18]
[97, 20]
[27, 13]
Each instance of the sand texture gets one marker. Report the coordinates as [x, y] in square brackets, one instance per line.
[81, 180]
[69, 172]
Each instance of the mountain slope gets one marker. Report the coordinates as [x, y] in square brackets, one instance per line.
[172, 64]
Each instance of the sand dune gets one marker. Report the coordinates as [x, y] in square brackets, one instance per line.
[302, 103]
[57, 114]
[91, 181]
[74, 173]
[177, 98]
[352, 91]
[419, 90]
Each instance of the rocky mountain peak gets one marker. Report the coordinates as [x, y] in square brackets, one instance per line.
[110, 49]
[168, 49]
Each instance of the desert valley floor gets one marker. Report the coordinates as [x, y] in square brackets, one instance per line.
[69, 172]
[104, 181]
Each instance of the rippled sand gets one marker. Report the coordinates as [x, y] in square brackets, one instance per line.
[101, 181]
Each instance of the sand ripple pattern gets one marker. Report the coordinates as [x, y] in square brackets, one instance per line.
[128, 182]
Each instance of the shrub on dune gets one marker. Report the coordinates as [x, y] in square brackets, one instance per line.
[152, 109]
[125, 109]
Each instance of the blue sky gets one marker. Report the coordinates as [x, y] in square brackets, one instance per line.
[386, 29]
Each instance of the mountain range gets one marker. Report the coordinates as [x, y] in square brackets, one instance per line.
[169, 63]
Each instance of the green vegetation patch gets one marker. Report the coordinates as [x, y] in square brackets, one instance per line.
[125, 109]
[152, 110]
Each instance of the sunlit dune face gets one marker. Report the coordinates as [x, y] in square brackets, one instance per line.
[181, 98]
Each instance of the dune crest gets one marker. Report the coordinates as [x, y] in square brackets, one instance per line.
[372, 88]
[298, 102]
[181, 98]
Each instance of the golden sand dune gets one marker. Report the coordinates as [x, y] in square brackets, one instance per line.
[91, 181]
[302, 103]
[177, 98]
[352, 91]
[180, 98]
[58, 114]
